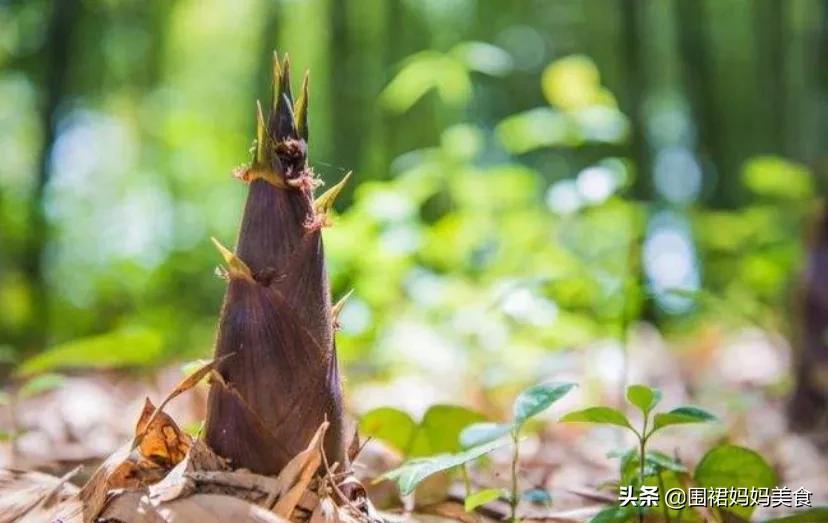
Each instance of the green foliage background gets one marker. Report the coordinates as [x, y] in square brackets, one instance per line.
[530, 176]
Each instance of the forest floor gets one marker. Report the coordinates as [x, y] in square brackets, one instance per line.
[735, 376]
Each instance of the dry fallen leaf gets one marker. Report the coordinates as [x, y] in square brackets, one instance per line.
[135, 507]
[158, 446]
[183, 386]
[176, 483]
[163, 442]
[163, 476]
[117, 472]
[298, 473]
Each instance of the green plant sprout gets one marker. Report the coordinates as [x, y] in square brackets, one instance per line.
[477, 440]
[454, 436]
[527, 405]
[645, 399]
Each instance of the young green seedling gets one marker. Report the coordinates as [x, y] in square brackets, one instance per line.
[645, 399]
[477, 440]
[528, 404]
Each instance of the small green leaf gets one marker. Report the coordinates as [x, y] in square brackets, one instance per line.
[630, 471]
[734, 466]
[536, 399]
[661, 460]
[482, 497]
[606, 415]
[643, 397]
[682, 415]
[410, 474]
[655, 459]
[440, 429]
[480, 433]
[127, 347]
[389, 425]
[814, 515]
[40, 384]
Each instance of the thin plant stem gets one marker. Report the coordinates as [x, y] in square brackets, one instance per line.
[466, 482]
[513, 500]
[641, 461]
[663, 494]
[642, 451]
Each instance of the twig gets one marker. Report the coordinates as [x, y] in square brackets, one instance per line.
[334, 486]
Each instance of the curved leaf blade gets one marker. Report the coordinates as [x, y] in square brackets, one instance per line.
[391, 426]
[440, 429]
[481, 433]
[643, 397]
[682, 415]
[602, 415]
[481, 498]
[538, 398]
[733, 466]
[412, 473]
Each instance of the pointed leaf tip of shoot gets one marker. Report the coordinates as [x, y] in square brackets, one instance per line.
[336, 309]
[284, 81]
[325, 202]
[224, 251]
[277, 79]
[300, 109]
[261, 135]
[277, 68]
[237, 268]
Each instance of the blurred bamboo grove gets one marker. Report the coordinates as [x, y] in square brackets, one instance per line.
[530, 176]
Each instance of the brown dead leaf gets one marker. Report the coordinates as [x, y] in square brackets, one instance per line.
[297, 475]
[159, 445]
[183, 386]
[163, 442]
[135, 507]
[118, 471]
[176, 483]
